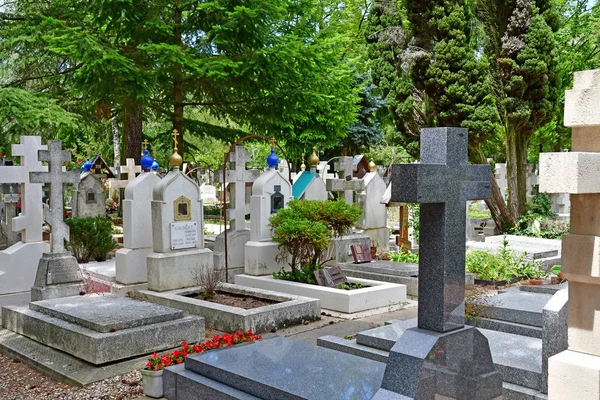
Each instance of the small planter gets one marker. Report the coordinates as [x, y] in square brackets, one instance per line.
[153, 383]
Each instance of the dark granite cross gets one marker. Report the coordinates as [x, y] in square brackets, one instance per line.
[55, 176]
[441, 183]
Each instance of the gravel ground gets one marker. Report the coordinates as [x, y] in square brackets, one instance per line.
[20, 382]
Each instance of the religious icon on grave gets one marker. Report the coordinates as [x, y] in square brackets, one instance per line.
[182, 209]
[277, 199]
[90, 196]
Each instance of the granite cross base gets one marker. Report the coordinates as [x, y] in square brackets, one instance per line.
[58, 275]
[427, 365]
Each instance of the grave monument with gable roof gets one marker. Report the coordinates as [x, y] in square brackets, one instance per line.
[270, 193]
[131, 260]
[178, 231]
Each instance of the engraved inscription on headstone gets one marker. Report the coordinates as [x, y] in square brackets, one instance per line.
[361, 253]
[11, 198]
[330, 276]
[184, 235]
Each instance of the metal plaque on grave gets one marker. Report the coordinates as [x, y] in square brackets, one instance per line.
[11, 198]
[361, 253]
[184, 235]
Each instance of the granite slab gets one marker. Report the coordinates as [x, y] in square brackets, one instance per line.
[518, 306]
[284, 369]
[106, 313]
[386, 268]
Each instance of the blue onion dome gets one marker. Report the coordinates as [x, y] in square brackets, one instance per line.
[272, 160]
[87, 166]
[155, 165]
[146, 161]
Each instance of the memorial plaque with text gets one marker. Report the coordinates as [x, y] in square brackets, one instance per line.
[184, 235]
[330, 276]
[361, 253]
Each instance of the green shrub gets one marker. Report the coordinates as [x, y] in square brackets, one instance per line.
[540, 221]
[409, 257]
[90, 238]
[503, 265]
[304, 230]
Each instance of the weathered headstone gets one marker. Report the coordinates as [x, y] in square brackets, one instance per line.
[575, 373]
[374, 219]
[452, 361]
[58, 273]
[345, 184]
[18, 263]
[179, 256]
[270, 193]
[238, 177]
[88, 196]
[330, 276]
[10, 199]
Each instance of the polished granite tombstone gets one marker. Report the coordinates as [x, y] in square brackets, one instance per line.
[102, 329]
[276, 368]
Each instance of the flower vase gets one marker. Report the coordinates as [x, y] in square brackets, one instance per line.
[153, 383]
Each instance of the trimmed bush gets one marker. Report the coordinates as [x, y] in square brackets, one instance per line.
[90, 238]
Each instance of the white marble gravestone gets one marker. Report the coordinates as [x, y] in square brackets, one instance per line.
[374, 219]
[271, 192]
[18, 263]
[131, 260]
[178, 237]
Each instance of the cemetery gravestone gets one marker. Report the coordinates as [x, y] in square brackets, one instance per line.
[374, 219]
[330, 276]
[346, 184]
[88, 197]
[131, 264]
[58, 273]
[11, 198]
[238, 177]
[270, 193]
[308, 185]
[179, 256]
[18, 263]
[442, 184]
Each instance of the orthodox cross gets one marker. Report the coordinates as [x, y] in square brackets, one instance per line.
[442, 183]
[175, 134]
[144, 146]
[55, 156]
[237, 178]
[345, 184]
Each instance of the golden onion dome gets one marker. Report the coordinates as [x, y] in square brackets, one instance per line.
[313, 159]
[372, 166]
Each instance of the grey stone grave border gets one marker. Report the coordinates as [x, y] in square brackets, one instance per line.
[291, 310]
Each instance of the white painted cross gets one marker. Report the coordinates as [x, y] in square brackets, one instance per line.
[237, 177]
[31, 219]
[345, 183]
[56, 178]
[131, 170]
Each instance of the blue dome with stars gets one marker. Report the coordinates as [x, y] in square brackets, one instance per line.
[146, 161]
[87, 166]
[155, 165]
[272, 160]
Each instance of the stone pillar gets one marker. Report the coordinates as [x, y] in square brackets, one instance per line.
[575, 373]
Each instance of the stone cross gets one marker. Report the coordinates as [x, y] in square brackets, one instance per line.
[442, 183]
[55, 156]
[29, 223]
[130, 169]
[237, 178]
[345, 184]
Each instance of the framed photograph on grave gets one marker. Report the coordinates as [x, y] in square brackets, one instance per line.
[361, 253]
[182, 209]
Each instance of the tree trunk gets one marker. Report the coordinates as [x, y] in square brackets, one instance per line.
[512, 173]
[116, 145]
[496, 203]
[132, 123]
[522, 143]
[178, 84]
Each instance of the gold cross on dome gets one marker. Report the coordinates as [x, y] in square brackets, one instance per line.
[175, 134]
